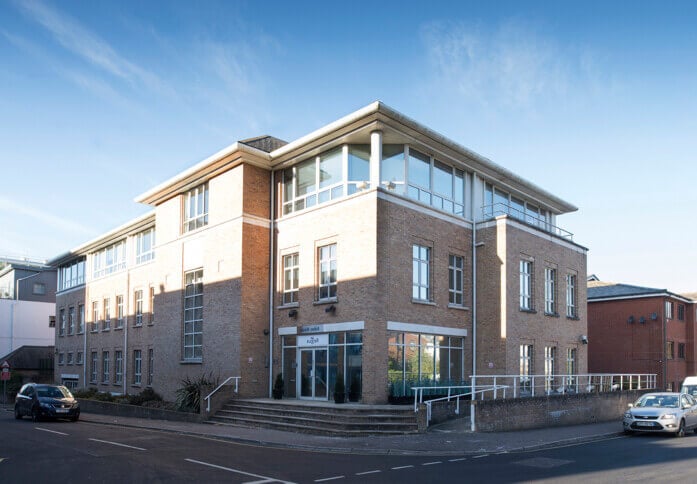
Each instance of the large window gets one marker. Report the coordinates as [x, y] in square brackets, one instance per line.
[421, 273]
[107, 314]
[526, 367]
[118, 363]
[317, 180]
[358, 168]
[61, 322]
[151, 364]
[550, 290]
[109, 260]
[95, 316]
[80, 318]
[327, 272]
[71, 320]
[105, 367]
[550, 367]
[119, 311]
[195, 209]
[71, 275]
[455, 280]
[681, 312]
[193, 315]
[423, 360]
[571, 311]
[137, 367]
[93, 368]
[571, 370]
[669, 310]
[152, 305]
[500, 202]
[145, 246]
[291, 270]
[526, 285]
[138, 302]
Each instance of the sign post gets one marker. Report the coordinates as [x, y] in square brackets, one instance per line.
[4, 376]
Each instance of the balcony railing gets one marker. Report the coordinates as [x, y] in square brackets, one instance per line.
[497, 209]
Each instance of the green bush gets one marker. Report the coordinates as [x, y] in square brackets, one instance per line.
[189, 394]
[147, 395]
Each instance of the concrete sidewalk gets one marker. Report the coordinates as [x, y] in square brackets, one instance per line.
[450, 438]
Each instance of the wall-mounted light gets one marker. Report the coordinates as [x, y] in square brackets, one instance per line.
[642, 320]
[293, 313]
[330, 309]
[654, 316]
[630, 320]
[266, 331]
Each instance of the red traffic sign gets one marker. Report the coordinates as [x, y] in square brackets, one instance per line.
[5, 373]
[4, 365]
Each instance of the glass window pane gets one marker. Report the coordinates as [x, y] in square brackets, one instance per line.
[330, 168]
[443, 179]
[359, 163]
[287, 184]
[392, 166]
[306, 177]
[419, 169]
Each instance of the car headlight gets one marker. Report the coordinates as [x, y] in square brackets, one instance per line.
[669, 416]
[627, 415]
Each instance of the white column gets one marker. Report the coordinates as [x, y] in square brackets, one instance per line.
[375, 158]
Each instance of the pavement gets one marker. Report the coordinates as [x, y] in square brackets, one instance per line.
[449, 438]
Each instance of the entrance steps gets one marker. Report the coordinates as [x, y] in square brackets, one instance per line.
[321, 418]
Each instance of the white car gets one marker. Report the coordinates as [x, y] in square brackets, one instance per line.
[662, 412]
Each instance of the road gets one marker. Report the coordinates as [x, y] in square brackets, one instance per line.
[82, 452]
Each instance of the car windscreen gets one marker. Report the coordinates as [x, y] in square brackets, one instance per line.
[662, 401]
[690, 390]
[53, 392]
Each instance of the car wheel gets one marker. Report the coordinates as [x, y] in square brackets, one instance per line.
[35, 414]
[628, 432]
[18, 414]
[75, 418]
[681, 429]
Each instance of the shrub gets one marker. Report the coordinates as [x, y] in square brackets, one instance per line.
[189, 394]
[147, 395]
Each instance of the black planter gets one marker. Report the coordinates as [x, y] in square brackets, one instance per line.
[339, 397]
[354, 397]
[277, 394]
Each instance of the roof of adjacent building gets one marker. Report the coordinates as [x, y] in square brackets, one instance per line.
[602, 290]
[27, 357]
[264, 143]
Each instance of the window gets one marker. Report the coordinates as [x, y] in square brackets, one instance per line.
[196, 208]
[61, 358]
[327, 272]
[669, 310]
[526, 285]
[455, 280]
[61, 322]
[118, 364]
[669, 350]
[526, 368]
[71, 275]
[138, 300]
[421, 273]
[152, 305]
[78, 358]
[71, 320]
[550, 290]
[571, 296]
[105, 367]
[151, 363]
[550, 368]
[95, 315]
[119, 311]
[358, 168]
[70, 357]
[317, 180]
[109, 260]
[193, 315]
[681, 312]
[145, 246]
[107, 315]
[39, 289]
[681, 350]
[499, 202]
[81, 318]
[291, 271]
[93, 368]
[137, 367]
[571, 366]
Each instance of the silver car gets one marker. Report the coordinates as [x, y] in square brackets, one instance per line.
[662, 412]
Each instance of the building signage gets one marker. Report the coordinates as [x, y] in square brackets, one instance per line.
[315, 328]
[313, 340]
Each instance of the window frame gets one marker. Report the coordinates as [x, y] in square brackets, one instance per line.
[193, 325]
[550, 291]
[142, 254]
[571, 296]
[456, 274]
[195, 216]
[118, 367]
[526, 268]
[106, 307]
[137, 367]
[138, 307]
[327, 272]
[105, 367]
[291, 274]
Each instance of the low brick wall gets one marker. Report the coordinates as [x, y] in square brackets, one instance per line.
[552, 411]
[124, 410]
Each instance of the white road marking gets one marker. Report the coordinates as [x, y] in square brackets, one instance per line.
[367, 472]
[431, 463]
[52, 431]
[261, 482]
[457, 460]
[480, 456]
[329, 478]
[401, 467]
[263, 478]
[116, 443]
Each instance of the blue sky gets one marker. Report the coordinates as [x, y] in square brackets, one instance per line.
[594, 101]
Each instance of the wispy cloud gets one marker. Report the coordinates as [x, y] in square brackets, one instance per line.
[511, 66]
[79, 40]
[64, 224]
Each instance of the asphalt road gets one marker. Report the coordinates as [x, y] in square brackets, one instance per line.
[82, 452]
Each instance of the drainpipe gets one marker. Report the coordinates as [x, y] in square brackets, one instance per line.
[474, 299]
[272, 265]
[125, 358]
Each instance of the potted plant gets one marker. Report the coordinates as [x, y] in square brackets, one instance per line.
[339, 390]
[355, 389]
[278, 387]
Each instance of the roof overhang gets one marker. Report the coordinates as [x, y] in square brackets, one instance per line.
[640, 296]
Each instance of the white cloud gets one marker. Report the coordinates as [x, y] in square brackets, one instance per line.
[64, 224]
[511, 66]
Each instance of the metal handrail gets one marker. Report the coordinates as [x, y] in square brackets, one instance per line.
[418, 397]
[499, 208]
[208, 397]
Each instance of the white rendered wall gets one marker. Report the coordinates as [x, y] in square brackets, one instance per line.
[25, 323]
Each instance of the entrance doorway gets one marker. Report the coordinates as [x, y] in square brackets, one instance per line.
[313, 374]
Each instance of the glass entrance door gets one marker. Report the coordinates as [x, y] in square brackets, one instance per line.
[313, 374]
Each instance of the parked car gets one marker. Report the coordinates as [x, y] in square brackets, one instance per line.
[689, 386]
[52, 401]
[662, 412]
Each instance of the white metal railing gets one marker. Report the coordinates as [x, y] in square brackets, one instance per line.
[557, 384]
[227, 380]
[418, 397]
[498, 208]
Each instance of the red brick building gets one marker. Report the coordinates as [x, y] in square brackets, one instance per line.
[634, 329]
